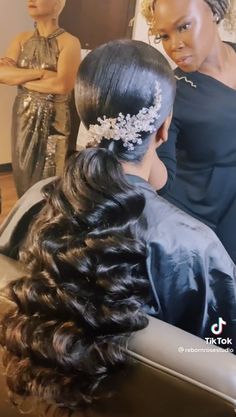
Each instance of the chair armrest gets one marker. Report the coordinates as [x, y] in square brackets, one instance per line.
[169, 348]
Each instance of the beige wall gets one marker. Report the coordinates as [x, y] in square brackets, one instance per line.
[13, 19]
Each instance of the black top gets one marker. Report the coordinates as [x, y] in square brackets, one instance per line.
[203, 132]
[192, 278]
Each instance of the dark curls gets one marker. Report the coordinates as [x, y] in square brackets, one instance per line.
[75, 310]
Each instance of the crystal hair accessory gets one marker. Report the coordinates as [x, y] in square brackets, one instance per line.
[127, 128]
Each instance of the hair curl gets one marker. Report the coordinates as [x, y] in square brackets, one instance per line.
[82, 299]
[84, 294]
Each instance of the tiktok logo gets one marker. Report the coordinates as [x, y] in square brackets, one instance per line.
[217, 328]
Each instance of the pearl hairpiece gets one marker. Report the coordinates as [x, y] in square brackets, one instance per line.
[127, 128]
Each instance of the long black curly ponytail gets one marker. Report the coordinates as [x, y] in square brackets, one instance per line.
[83, 296]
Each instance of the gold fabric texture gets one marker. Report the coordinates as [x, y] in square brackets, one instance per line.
[41, 122]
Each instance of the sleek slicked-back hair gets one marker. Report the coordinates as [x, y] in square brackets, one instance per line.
[120, 77]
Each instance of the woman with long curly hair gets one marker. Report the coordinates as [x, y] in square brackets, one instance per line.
[103, 250]
[200, 155]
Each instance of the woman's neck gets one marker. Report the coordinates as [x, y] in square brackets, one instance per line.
[217, 60]
[46, 27]
[141, 169]
[136, 169]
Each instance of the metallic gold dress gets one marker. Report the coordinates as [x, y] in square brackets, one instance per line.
[41, 122]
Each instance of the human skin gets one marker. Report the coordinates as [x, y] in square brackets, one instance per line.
[45, 14]
[189, 33]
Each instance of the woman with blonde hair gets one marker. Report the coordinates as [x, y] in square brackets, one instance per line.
[43, 64]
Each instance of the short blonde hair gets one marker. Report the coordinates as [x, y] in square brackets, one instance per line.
[224, 9]
[60, 4]
[147, 10]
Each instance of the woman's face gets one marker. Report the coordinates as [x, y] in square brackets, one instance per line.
[42, 8]
[187, 30]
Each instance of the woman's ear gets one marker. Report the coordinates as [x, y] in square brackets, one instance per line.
[162, 133]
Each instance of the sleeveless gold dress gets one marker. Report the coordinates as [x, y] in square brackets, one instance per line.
[41, 122]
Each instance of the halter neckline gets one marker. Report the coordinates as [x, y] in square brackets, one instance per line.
[52, 35]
